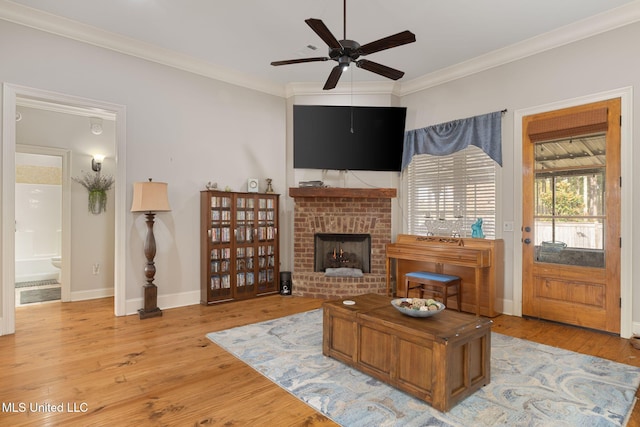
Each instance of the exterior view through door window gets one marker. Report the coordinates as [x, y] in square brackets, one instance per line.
[569, 211]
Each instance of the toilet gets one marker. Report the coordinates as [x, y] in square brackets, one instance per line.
[56, 261]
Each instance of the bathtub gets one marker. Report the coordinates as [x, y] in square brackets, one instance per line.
[30, 270]
[34, 250]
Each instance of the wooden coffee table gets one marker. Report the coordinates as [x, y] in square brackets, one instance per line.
[440, 359]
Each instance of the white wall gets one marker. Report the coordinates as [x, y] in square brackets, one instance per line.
[182, 129]
[599, 64]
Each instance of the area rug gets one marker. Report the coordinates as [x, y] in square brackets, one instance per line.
[531, 384]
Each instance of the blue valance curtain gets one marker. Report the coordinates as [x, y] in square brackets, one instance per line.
[484, 131]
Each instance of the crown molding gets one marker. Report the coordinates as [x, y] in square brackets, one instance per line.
[601, 23]
[615, 18]
[74, 30]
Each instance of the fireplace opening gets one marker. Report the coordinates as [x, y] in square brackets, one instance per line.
[334, 250]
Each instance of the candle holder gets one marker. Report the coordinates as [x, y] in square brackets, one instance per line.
[269, 187]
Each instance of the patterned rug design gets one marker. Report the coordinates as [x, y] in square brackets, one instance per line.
[531, 384]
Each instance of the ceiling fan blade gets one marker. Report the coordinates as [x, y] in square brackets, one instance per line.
[332, 81]
[301, 60]
[383, 70]
[395, 40]
[323, 32]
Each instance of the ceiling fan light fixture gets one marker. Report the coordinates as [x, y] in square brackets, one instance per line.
[344, 62]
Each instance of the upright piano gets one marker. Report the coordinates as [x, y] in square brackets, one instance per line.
[479, 262]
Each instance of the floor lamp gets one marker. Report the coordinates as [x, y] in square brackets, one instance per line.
[150, 197]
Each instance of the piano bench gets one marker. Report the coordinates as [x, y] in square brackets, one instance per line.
[442, 284]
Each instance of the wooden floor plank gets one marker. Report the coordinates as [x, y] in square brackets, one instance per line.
[164, 371]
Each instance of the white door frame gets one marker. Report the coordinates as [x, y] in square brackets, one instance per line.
[11, 93]
[626, 209]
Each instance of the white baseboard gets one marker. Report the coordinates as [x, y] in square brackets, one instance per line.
[507, 307]
[165, 301]
[91, 294]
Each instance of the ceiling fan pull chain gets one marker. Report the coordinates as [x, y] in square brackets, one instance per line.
[352, 71]
[351, 119]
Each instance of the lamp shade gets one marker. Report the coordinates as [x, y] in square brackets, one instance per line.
[150, 197]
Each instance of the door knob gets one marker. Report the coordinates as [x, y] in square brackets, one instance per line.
[527, 241]
[527, 229]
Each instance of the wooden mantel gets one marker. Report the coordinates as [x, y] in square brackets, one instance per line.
[363, 193]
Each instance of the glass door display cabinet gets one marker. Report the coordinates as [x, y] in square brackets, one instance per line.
[239, 245]
[267, 247]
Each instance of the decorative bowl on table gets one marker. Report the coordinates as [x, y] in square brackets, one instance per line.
[417, 307]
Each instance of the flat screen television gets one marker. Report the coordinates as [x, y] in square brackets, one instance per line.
[348, 138]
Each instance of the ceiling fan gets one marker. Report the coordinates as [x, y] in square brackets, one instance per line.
[345, 52]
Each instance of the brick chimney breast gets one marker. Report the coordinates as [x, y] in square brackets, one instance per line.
[340, 210]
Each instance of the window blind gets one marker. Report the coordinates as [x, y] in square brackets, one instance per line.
[568, 125]
[460, 187]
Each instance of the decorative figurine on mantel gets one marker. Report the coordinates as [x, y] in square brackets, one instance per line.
[476, 229]
[269, 187]
[211, 186]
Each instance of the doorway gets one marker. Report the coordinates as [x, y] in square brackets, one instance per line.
[571, 257]
[42, 230]
[12, 95]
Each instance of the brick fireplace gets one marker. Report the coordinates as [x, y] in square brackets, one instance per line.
[340, 210]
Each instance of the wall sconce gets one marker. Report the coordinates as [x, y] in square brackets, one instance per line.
[95, 125]
[96, 162]
[150, 197]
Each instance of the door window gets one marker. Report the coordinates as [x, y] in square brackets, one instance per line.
[569, 209]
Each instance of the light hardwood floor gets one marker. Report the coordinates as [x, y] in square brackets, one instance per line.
[164, 371]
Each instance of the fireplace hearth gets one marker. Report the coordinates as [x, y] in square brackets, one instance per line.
[340, 211]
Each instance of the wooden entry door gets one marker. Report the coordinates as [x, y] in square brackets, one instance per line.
[571, 216]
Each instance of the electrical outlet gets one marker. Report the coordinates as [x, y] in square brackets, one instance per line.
[96, 269]
[507, 226]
